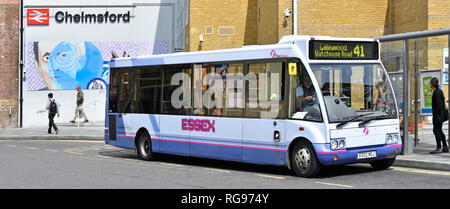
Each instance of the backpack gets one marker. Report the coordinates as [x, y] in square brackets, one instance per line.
[53, 107]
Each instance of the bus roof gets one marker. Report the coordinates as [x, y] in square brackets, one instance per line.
[286, 47]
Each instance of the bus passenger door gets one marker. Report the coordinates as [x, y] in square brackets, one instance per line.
[125, 136]
[264, 127]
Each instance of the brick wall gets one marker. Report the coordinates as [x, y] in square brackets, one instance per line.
[236, 15]
[343, 18]
[9, 45]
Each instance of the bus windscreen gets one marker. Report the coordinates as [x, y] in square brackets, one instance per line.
[343, 50]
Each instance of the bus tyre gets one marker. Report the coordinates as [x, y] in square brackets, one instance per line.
[144, 147]
[382, 164]
[303, 159]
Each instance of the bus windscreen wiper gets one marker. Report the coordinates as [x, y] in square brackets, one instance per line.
[350, 120]
[363, 123]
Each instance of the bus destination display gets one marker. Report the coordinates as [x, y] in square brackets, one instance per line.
[343, 50]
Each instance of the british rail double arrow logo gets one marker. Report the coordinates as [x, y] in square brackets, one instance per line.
[38, 16]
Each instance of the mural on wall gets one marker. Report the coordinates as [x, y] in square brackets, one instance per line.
[65, 65]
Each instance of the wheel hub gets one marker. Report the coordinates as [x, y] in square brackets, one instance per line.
[303, 158]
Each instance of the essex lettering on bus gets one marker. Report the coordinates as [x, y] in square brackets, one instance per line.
[198, 125]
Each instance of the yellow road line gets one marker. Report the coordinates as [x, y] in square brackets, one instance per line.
[104, 156]
[51, 150]
[172, 164]
[270, 176]
[422, 172]
[218, 170]
[30, 148]
[11, 145]
[72, 152]
[331, 184]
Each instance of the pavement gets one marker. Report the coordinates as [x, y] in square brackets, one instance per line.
[420, 157]
[67, 131]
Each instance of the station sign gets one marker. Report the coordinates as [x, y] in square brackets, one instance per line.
[42, 17]
[343, 50]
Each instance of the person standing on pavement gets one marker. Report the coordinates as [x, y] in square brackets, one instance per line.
[79, 109]
[53, 109]
[439, 116]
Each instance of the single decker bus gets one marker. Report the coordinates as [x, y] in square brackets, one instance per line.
[305, 103]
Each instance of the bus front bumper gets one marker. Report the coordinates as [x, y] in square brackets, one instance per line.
[355, 155]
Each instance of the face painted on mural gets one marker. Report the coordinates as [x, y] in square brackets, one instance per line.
[66, 65]
[42, 56]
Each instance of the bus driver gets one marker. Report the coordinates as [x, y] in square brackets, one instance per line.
[306, 97]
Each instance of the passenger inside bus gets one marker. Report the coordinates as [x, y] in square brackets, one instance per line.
[379, 97]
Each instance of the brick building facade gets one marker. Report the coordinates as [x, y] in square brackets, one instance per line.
[9, 59]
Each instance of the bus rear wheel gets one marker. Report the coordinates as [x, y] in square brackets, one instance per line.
[144, 147]
[382, 164]
[303, 159]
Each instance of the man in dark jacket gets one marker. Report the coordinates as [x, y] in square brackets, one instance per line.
[53, 109]
[438, 106]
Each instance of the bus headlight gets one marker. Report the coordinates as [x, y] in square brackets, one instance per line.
[334, 144]
[395, 138]
[341, 144]
[337, 144]
[392, 138]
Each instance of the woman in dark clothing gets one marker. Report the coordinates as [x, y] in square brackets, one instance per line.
[438, 106]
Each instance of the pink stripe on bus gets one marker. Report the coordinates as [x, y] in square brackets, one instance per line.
[332, 152]
[221, 145]
[394, 145]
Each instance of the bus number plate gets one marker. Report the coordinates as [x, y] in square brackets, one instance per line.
[364, 155]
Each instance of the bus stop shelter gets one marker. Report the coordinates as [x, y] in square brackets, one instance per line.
[406, 56]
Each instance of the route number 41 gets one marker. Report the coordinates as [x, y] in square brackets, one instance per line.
[359, 50]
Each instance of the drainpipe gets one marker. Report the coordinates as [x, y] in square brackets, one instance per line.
[294, 16]
[21, 65]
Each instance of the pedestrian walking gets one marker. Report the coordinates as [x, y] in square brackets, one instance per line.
[79, 110]
[440, 115]
[53, 109]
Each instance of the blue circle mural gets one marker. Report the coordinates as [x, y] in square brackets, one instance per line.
[74, 64]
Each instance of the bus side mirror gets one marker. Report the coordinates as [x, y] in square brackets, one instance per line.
[292, 68]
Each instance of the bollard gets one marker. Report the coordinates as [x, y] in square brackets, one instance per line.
[410, 145]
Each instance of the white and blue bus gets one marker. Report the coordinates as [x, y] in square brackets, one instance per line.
[304, 103]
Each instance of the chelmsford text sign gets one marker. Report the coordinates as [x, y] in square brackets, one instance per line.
[66, 17]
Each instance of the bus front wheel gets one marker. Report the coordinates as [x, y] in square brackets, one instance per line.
[303, 159]
[144, 147]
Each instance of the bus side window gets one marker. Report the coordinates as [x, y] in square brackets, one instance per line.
[304, 102]
[113, 91]
[264, 90]
[168, 89]
[233, 80]
[126, 92]
[148, 90]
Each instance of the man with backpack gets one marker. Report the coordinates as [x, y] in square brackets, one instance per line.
[53, 109]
